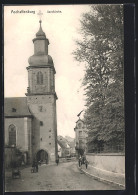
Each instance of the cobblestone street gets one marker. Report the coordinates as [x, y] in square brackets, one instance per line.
[65, 176]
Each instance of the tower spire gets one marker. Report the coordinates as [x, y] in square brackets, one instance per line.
[40, 18]
[40, 21]
[40, 32]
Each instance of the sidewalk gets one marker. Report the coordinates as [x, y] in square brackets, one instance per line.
[103, 175]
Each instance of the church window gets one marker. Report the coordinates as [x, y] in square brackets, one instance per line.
[79, 125]
[41, 138]
[39, 78]
[13, 109]
[50, 130]
[49, 143]
[12, 135]
[49, 136]
[41, 123]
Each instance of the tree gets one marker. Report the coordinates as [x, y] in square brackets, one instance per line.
[101, 50]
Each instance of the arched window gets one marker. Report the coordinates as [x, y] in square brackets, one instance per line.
[12, 135]
[79, 125]
[39, 78]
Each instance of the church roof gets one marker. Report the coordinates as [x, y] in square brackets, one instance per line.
[62, 142]
[16, 107]
[40, 35]
[79, 120]
[40, 32]
[36, 60]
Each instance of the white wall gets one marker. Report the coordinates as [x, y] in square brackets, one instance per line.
[110, 162]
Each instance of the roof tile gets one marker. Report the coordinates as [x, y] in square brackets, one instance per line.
[16, 106]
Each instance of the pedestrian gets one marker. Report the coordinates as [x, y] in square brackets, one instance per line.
[36, 165]
[83, 159]
[57, 161]
[86, 164]
[33, 166]
[80, 161]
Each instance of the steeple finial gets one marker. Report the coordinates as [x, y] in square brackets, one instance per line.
[40, 16]
[40, 21]
[40, 32]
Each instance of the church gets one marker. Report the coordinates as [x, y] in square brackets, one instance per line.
[31, 122]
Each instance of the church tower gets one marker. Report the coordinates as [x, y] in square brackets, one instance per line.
[41, 99]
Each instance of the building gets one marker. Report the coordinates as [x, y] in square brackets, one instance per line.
[71, 142]
[81, 134]
[30, 122]
[64, 149]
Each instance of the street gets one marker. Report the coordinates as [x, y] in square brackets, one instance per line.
[64, 177]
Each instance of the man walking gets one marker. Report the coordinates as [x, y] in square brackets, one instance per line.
[57, 161]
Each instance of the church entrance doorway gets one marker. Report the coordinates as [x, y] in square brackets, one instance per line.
[42, 156]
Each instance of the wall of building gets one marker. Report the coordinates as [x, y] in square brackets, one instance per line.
[45, 135]
[32, 76]
[29, 137]
[81, 134]
[23, 133]
[20, 133]
[9, 156]
[23, 138]
[48, 80]
[35, 136]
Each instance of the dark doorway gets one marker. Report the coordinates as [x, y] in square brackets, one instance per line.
[42, 156]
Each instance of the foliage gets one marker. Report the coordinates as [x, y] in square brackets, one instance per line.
[101, 49]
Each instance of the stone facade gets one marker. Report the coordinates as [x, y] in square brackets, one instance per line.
[41, 98]
[81, 134]
[43, 109]
[35, 120]
[23, 132]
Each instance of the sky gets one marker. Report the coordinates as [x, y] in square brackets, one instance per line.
[62, 29]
